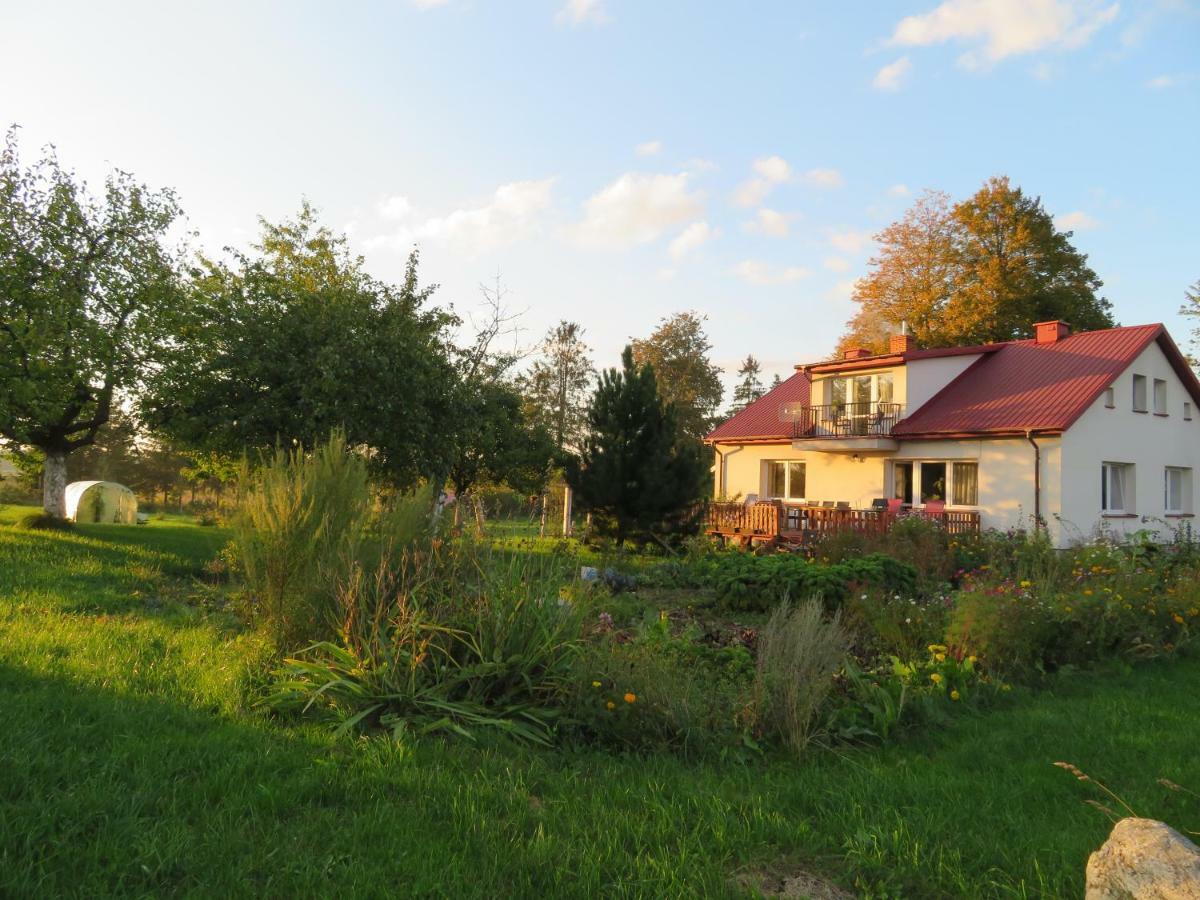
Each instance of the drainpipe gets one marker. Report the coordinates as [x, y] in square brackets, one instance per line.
[1037, 479]
[721, 473]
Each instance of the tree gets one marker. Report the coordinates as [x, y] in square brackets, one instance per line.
[556, 388]
[982, 270]
[678, 352]
[89, 297]
[637, 475]
[1191, 307]
[776, 381]
[297, 341]
[750, 388]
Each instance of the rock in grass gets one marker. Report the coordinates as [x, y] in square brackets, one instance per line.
[1144, 860]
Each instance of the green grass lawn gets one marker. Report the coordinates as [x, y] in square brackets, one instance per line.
[133, 763]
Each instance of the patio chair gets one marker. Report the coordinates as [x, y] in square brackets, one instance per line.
[895, 506]
[827, 504]
[879, 503]
[843, 504]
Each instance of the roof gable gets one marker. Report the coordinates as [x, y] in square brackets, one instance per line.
[1026, 386]
[763, 419]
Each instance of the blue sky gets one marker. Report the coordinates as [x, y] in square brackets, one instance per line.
[619, 160]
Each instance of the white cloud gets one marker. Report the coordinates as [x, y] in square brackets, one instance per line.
[899, 190]
[826, 178]
[1161, 81]
[891, 76]
[650, 148]
[849, 240]
[1003, 28]
[511, 213]
[757, 272]
[769, 222]
[1075, 221]
[769, 172]
[837, 264]
[637, 208]
[689, 239]
[396, 207]
[581, 12]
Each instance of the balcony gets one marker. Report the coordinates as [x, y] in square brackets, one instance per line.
[863, 426]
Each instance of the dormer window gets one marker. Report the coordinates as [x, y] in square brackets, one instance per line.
[861, 390]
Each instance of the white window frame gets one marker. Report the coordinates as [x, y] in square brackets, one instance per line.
[1160, 396]
[1139, 388]
[1108, 472]
[1184, 476]
[849, 381]
[918, 466]
[787, 479]
[1187, 410]
[1110, 398]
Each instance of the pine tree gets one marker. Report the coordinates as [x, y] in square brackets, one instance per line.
[775, 382]
[750, 388]
[636, 474]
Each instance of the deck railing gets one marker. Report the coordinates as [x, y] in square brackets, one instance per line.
[835, 420]
[768, 520]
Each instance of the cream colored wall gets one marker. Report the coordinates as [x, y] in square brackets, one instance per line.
[828, 476]
[1006, 479]
[1149, 442]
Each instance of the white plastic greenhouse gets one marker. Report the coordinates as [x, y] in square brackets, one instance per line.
[101, 501]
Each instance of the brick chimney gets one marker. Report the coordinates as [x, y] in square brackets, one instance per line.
[855, 353]
[901, 343]
[1051, 332]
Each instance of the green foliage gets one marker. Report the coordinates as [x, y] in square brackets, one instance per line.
[664, 691]
[556, 387]
[799, 652]
[300, 526]
[43, 521]
[495, 443]
[678, 352]
[298, 340]
[747, 582]
[457, 640]
[89, 298]
[749, 389]
[636, 475]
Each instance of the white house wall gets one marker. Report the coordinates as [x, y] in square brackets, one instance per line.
[1150, 442]
[925, 377]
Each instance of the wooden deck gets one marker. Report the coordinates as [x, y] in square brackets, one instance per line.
[770, 521]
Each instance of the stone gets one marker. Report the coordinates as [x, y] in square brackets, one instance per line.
[1144, 860]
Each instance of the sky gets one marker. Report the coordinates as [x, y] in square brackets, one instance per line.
[616, 161]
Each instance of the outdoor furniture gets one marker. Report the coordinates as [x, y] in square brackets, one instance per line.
[935, 507]
[827, 504]
[843, 504]
[895, 506]
[879, 503]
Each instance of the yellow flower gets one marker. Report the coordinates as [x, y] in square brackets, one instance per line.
[937, 648]
[1026, 584]
[631, 698]
[595, 684]
[1087, 593]
[1068, 609]
[610, 705]
[935, 678]
[940, 657]
[1178, 618]
[954, 695]
[971, 660]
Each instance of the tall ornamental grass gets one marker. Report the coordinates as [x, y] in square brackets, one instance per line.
[799, 652]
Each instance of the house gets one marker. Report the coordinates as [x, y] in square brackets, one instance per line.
[1081, 432]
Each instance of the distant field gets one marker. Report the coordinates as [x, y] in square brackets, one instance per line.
[135, 763]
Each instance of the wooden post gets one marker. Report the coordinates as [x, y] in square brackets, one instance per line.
[567, 525]
[545, 511]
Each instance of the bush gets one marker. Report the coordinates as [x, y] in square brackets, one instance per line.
[885, 623]
[747, 582]
[798, 654]
[43, 521]
[454, 640]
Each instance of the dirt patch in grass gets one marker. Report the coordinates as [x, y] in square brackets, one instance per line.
[786, 880]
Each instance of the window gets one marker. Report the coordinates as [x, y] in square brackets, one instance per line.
[1187, 411]
[1139, 393]
[1160, 397]
[920, 482]
[785, 480]
[861, 390]
[965, 482]
[1116, 488]
[1110, 398]
[1177, 490]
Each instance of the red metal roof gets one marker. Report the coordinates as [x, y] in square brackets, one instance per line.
[1026, 386]
[894, 359]
[763, 419]
[1012, 388]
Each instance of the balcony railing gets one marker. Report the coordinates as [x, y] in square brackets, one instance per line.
[841, 420]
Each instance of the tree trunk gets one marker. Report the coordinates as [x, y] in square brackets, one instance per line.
[54, 484]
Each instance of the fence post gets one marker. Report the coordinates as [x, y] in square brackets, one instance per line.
[567, 524]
